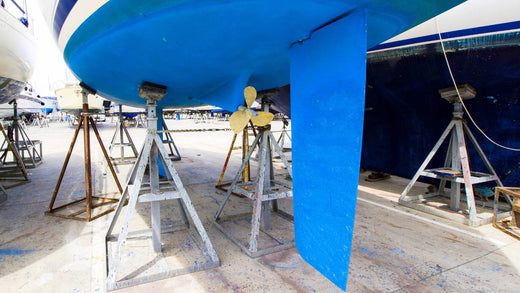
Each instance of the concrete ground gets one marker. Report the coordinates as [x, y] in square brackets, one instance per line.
[395, 249]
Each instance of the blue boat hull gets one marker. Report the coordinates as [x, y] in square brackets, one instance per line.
[205, 52]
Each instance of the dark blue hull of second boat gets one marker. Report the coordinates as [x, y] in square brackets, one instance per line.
[405, 115]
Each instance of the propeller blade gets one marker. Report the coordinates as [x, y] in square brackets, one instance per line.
[262, 119]
[239, 120]
[250, 95]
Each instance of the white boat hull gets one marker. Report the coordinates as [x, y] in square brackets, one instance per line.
[71, 100]
[25, 107]
[471, 19]
[17, 55]
[28, 103]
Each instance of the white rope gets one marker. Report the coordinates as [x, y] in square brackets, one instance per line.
[460, 98]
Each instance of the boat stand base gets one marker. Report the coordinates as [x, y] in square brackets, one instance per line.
[265, 192]
[164, 269]
[281, 242]
[437, 205]
[75, 210]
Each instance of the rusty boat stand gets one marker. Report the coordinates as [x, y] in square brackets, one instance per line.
[28, 151]
[153, 152]
[92, 203]
[24, 178]
[11, 146]
[264, 191]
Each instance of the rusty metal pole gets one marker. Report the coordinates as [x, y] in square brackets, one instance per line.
[67, 158]
[227, 160]
[86, 143]
[245, 149]
[16, 155]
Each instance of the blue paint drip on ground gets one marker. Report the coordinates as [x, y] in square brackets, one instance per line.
[213, 199]
[397, 251]
[14, 251]
[496, 268]
[368, 252]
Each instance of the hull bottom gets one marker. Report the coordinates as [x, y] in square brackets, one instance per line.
[9, 89]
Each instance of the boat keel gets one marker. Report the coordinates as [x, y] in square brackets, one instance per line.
[328, 80]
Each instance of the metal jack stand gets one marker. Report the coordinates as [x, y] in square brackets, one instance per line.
[264, 191]
[281, 139]
[40, 121]
[30, 151]
[456, 167]
[121, 132]
[174, 154]
[92, 202]
[139, 121]
[19, 163]
[153, 150]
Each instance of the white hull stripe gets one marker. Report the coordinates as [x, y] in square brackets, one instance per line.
[459, 34]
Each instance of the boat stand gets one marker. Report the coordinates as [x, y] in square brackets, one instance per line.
[96, 206]
[456, 168]
[30, 151]
[246, 174]
[263, 191]
[9, 172]
[122, 132]
[153, 150]
[174, 154]
[283, 135]
[40, 121]
[139, 121]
